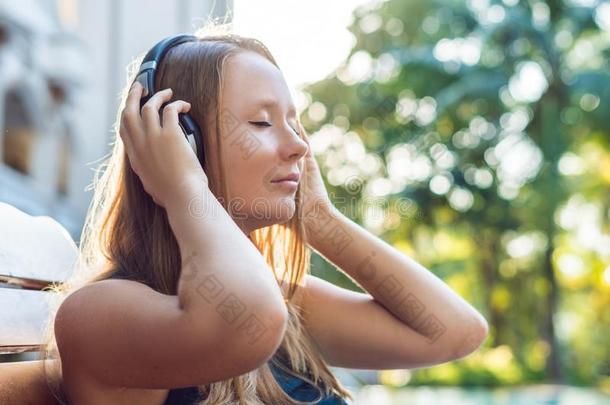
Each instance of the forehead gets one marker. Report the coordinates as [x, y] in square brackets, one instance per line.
[251, 83]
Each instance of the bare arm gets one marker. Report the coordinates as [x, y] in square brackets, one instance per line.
[436, 324]
[240, 287]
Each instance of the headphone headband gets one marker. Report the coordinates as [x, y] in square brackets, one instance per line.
[150, 63]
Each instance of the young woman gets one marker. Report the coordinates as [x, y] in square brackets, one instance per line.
[193, 283]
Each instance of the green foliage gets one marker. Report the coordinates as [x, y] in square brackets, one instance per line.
[480, 130]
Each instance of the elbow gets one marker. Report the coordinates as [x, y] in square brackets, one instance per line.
[475, 336]
[279, 324]
[263, 338]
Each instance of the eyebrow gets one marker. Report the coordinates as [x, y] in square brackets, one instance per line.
[267, 103]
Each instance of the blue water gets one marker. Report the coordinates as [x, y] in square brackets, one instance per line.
[526, 395]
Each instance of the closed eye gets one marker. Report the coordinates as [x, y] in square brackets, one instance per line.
[260, 123]
[267, 124]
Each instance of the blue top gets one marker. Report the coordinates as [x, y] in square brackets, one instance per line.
[295, 387]
[301, 390]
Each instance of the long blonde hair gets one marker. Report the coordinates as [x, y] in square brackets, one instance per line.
[125, 230]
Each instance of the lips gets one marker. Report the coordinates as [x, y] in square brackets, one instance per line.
[292, 177]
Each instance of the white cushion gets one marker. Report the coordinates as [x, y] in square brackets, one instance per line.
[34, 247]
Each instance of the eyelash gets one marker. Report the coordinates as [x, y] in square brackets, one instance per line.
[266, 124]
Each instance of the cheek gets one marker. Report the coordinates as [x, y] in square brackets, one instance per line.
[251, 170]
[248, 176]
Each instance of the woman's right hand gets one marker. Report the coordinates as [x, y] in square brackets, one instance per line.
[160, 155]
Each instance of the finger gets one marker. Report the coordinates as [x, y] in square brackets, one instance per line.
[127, 142]
[150, 111]
[170, 114]
[130, 129]
[130, 116]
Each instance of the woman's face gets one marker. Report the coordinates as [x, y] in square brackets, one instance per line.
[260, 142]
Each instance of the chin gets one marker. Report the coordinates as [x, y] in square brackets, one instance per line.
[286, 209]
[271, 211]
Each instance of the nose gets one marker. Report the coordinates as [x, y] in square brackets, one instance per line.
[295, 146]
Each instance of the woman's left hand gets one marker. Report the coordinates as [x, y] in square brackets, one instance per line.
[315, 195]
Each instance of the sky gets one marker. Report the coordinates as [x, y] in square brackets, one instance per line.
[308, 39]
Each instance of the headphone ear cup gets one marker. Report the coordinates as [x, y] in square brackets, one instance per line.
[192, 132]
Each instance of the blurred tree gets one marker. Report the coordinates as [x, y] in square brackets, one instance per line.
[468, 126]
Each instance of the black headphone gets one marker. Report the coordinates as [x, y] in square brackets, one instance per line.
[146, 77]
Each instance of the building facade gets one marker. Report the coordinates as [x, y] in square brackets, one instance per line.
[62, 67]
